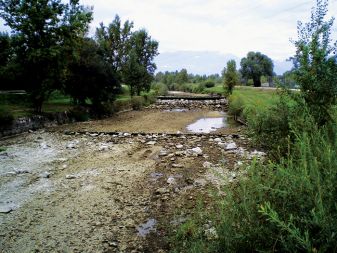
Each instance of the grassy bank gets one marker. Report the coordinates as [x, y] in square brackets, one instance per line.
[285, 203]
[14, 106]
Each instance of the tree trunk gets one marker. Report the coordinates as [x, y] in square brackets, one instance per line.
[257, 81]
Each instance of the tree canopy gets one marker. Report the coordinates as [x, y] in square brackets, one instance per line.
[43, 29]
[316, 63]
[231, 76]
[255, 65]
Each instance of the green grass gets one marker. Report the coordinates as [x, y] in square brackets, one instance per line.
[219, 89]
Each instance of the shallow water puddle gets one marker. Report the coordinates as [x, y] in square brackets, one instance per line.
[207, 125]
[176, 110]
[146, 228]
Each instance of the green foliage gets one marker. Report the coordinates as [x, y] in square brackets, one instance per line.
[79, 113]
[137, 102]
[255, 65]
[285, 207]
[140, 67]
[115, 41]
[43, 39]
[90, 77]
[209, 84]
[121, 105]
[315, 64]
[2, 149]
[160, 89]
[6, 117]
[231, 76]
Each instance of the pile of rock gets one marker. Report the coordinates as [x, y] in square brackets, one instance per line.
[169, 104]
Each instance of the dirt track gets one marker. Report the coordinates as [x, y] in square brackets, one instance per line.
[109, 193]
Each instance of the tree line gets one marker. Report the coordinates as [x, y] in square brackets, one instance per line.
[48, 49]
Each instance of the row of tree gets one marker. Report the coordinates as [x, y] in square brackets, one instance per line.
[253, 67]
[48, 50]
[182, 76]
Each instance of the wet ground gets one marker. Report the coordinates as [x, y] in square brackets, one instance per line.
[117, 191]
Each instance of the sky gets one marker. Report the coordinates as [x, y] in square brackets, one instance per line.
[225, 26]
[218, 26]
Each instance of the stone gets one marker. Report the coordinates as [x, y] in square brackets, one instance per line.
[64, 166]
[179, 146]
[44, 145]
[21, 171]
[207, 165]
[71, 146]
[160, 191]
[45, 174]
[196, 151]
[211, 234]
[151, 143]
[103, 147]
[171, 180]
[200, 182]
[217, 140]
[231, 146]
[163, 152]
[6, 209]
[177, 165]
[70, 176]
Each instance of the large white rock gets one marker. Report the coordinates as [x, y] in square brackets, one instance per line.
[231, 146]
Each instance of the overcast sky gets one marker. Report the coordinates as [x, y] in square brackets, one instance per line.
[226, 26]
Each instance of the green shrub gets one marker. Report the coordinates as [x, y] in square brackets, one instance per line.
[137, 102]
[80, 113]
[288, 206]
[209, 84]
[149, 99]
[6, 117]
[121, 105]
[160, 89]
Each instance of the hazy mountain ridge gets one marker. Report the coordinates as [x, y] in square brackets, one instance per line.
[205, 62]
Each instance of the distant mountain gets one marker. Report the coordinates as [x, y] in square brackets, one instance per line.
[203, 62]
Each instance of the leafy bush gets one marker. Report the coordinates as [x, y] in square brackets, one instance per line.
[6, 117]
[121, 105]
[160, 89]
[79, 113]
[279, 207]
[209, 84]
[137, 102]
[149, 99]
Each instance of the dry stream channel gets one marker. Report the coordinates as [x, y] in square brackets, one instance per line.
[115, 185]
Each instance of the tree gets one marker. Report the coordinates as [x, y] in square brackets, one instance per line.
[140, 68]
[182, 76]
[255, 65]
[43, 29]
[316, 63]
[231, 76]
[91, 77]
[115, 40]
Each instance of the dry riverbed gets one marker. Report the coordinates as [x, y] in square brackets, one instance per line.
[62, 192]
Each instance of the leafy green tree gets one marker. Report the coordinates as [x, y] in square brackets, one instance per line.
[43, 29]
[91, 77]
[315, 63]
[231, 76]
[115, 40]
[182, 76]
[255, 65]
[140, 57]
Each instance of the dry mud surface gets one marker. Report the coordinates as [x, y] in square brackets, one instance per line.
[62, 192]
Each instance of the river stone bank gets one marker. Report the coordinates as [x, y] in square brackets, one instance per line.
[116, 192]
